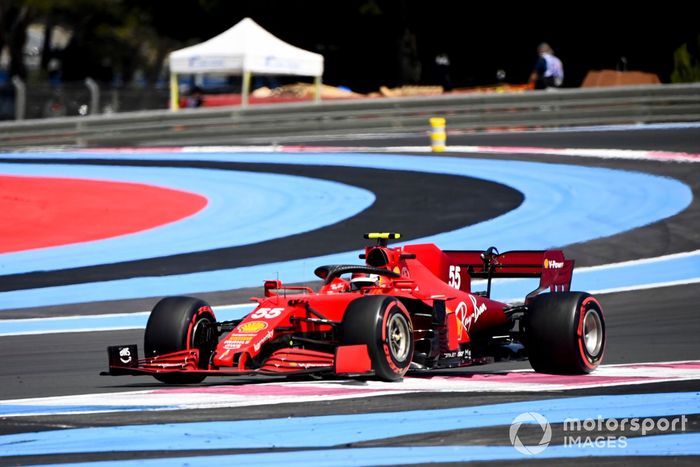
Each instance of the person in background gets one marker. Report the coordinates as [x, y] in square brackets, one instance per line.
[549, 71]
[442, 63]
[196, 98]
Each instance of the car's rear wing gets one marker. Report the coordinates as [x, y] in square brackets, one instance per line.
[553, 270]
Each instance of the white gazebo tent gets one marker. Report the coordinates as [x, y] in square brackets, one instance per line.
[244, 49]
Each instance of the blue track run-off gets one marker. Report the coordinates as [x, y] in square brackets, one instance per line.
[563, 204]
[337, 430]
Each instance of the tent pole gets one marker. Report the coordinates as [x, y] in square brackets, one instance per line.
[317, 89]
[246, 88]
[174, 93]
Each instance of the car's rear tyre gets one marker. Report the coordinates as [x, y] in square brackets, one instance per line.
[384, 325]
[181, 323]
[565, 333]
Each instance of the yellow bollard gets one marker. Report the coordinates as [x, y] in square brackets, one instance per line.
[438, 137]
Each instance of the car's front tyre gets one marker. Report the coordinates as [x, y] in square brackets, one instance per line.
[383, 324]
[180, 323]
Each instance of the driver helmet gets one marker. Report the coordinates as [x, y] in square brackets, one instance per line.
[361, 279]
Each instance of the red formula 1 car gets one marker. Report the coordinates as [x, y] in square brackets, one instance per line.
[406, 308]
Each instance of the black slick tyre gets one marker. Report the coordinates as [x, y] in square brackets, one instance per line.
[565, 333]
[384, 325]
[181, 323]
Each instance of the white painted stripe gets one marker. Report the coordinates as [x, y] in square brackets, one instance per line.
[632, 288]
[659, 156]
[62, 324]
[70, 330]
[465, 380]
[668, 362]
[655, 285]
[603, 128]
[635, 262]
[602, 153]
[73, 317]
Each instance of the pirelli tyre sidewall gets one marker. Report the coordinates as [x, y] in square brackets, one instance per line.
[179, 323]
[384, 325]
[565, 333]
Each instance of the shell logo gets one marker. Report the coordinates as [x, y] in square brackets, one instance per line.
[252, 326]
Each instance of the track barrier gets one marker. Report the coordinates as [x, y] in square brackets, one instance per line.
[285, 123]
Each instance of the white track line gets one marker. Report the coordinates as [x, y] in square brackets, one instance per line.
[245, 395]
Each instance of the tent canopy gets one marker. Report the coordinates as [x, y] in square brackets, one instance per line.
[246, 47]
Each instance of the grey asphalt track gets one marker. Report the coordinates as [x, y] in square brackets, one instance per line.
[648, 325]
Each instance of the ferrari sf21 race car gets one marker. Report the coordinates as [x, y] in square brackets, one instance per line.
[408, 308]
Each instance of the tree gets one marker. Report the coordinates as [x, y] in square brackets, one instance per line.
[109, 37]
[15, 18]
[687, 63]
